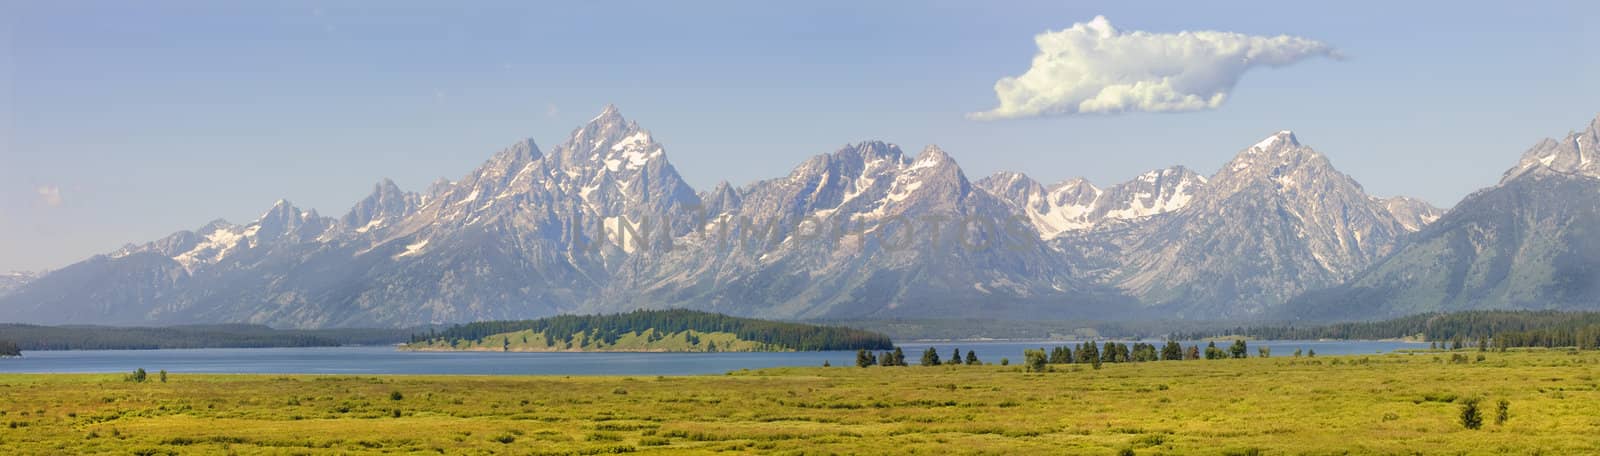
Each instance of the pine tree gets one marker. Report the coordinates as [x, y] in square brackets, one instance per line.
[1088, 353]
[1193, 354]
[930, 357]
[955, 356]
[899, 357]
[1239, 350]
[972, 358]
[1172, 351]
[864, 359]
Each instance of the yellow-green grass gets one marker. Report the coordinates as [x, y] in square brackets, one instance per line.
[1377, 404]
[643, 341]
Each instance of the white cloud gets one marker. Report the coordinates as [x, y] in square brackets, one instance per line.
[1095, 68]
[50, 195]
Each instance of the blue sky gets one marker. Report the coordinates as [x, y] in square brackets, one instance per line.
[152, 117]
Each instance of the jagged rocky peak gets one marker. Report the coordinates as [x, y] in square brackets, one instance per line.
[1155, 192]
[1011, 186]
[386, 204]
[854, 165]
[439, 187]
[935, 161]
[933, 172]
[1274, 151]
[1411, 213]
[722, 199]
[1576, 154]
[287, 222]
[521, 151]
[608, 136]
[1077, 204]
[1279, 159]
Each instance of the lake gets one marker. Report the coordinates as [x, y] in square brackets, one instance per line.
[388, 360]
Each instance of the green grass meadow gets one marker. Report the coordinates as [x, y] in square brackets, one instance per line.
[1407, 403]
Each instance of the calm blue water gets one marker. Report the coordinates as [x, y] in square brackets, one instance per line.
[387, 360]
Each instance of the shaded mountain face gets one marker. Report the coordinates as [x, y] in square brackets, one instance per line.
[1531, 242]
[526, 234]
[1275, 221]
[866, 231]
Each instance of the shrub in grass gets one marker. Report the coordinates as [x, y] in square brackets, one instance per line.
[1471, 417]
[1502, 411]
[396, 396]
[603, 437]
[654, 441]
[1034, 360]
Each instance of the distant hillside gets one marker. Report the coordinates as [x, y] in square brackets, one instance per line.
[649, 330]
[33, 337]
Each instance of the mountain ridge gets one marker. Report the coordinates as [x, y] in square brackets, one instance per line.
[602, 222]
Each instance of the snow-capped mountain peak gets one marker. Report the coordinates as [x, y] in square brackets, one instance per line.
[1283, 139]
[385, 206]
[1078, 205]
[1576, 154]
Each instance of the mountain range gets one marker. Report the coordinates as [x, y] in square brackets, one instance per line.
[602, 222]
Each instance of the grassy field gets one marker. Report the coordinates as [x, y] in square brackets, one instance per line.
[1376, 404]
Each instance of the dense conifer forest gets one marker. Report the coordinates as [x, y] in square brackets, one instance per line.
[1499, 328]
[608, 328]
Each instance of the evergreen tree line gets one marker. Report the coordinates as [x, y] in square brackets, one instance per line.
[610, 327]
[1117, 352]
[930, 357]
[1520, 328]
[1586, 337]
[9, 349]
[34, 337]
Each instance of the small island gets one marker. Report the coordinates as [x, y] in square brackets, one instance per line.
[675, 330]
[9, 349]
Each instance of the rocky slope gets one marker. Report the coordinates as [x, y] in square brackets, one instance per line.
[1530, 242]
